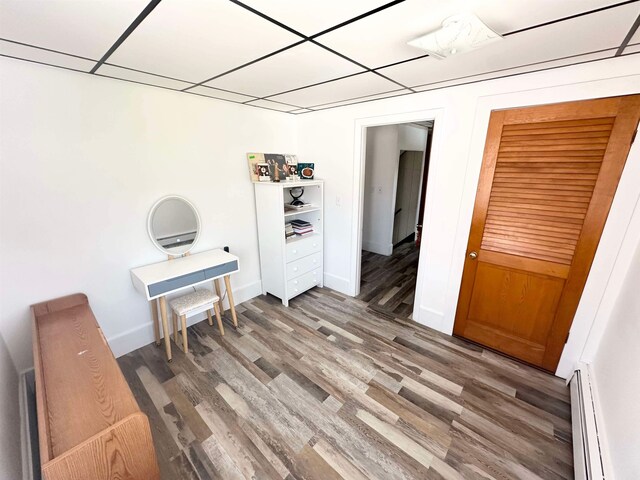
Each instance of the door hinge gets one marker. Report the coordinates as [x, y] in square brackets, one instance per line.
[567, 339]
[633, 138]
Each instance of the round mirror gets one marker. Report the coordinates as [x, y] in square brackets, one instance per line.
[174, 225]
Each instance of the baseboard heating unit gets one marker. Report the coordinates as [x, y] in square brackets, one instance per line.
[588, 461]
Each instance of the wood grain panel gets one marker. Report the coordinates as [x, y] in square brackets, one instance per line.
[79, 357]
[548, 178]
[528, 176]
[89, 424]
[119, 453]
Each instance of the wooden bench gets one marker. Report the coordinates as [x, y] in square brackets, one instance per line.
[89, 424]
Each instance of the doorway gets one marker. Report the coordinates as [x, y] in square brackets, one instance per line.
[548, 179]
[396, 170]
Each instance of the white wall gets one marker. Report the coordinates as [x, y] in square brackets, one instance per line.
[380, 189]
[411, 137]
[616, 369]
[458, 141]
[10, 467]
[381, 176]
[84, 158]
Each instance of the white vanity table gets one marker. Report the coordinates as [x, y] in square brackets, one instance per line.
[158, 280]
[174, 228]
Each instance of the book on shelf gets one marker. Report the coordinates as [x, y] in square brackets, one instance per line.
[288, 230]
[297, 228]
[300, 223]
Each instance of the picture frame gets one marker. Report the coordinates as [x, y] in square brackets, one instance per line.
[277, 166]
[306, 171]
[253, 159]
[263, 172]
[292, 172]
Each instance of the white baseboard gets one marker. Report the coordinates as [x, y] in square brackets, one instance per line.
[340, 284]
[25, 442]
[379, 248]
[591, 454]
[431, 318]
[142, 335]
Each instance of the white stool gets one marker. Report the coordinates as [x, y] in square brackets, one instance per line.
[191, 304]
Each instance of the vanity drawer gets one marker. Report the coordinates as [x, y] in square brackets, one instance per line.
[303, 247]
[304, 265]
[220, 270]
[175, 283]
[304, 282]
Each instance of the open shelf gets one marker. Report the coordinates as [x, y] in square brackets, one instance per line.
[310, 208]
[297, 238]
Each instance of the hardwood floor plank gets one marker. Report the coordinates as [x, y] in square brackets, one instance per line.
[338, 461]
[397, 438]
[338, 387]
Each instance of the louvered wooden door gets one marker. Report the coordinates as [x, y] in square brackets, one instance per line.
[548, 178]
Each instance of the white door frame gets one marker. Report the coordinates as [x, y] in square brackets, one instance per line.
[359, 163]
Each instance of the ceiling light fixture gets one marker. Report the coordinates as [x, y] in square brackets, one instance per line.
[459, 33]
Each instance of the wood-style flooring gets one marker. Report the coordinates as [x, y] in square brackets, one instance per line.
[327, 389]
[388, 283]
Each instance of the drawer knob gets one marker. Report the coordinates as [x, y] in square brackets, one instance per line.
[295, 289]
[295, 269]
[315, 261]
[295, 251]
[315, 244]
[295, 282]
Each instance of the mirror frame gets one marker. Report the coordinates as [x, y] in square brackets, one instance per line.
[150, 221]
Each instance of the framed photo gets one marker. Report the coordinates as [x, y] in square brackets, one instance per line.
[291, 159]
[277, 166]
[306, 170]
[292, 171]
[263, 172]
[253, 159]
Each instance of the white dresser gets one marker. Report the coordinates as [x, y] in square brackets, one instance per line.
[289, 266]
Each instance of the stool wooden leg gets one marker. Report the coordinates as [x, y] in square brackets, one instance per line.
[165, 327]
[183, 319]
[227, 284]
[175, 327]
[216, 282]
[156, 321]
[218, 318]
[209, 317]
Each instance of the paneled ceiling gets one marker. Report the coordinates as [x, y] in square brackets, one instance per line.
[298, 56]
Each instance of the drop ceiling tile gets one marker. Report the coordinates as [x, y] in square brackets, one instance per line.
[215, 93]
[632, 49]
[45, 56]
[516, 71]
[367, 98]
[572, 37]
[296, 13]
[296, 67]
[196, 40]
[350, 87]
[282, 107]
[85, 28]
[381, 39]
[114, 71]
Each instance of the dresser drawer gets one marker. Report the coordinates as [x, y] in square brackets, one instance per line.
[175, 283]
[304, 265]
[304, 282]
[303, 247]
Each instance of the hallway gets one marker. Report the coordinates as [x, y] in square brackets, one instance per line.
[389, 282]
